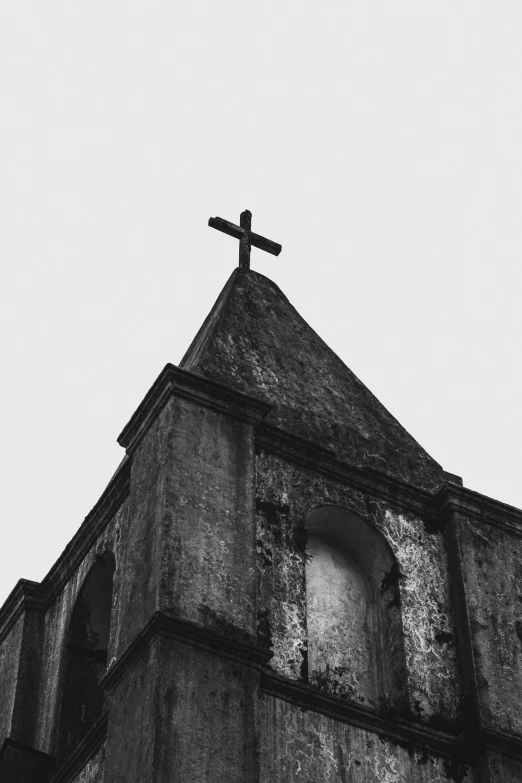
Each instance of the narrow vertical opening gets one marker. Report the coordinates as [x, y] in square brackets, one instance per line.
[86, 657]
[341, 621]
[354, 624]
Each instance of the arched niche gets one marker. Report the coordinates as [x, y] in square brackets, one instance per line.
[355, 638]
[86, 657]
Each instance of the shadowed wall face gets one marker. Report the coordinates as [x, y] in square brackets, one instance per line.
[86, 657]
[353, 617]
[341, 620]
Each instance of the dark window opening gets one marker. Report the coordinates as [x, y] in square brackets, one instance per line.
[86, 657]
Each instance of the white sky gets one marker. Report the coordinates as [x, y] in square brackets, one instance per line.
[379, 142]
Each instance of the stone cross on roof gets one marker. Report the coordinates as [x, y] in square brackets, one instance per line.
[246, 237]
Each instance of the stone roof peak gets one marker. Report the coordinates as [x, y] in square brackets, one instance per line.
[255, 341]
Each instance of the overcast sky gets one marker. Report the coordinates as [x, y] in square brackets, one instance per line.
[378, 142]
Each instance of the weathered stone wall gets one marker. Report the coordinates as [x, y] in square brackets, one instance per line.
[503, 769]
[194, 718]
[94, 770]
[141, 553]
[285, 495]
[184, 677]
[299, 746]
[189, 560]
[208, 559]
[130, 753]
[184, 545]
[56, 629]
[188, 545]
[427, 614]
[9, 662]
[492, 570]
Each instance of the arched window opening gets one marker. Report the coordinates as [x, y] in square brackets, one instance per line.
[86, 657]
[355, 640]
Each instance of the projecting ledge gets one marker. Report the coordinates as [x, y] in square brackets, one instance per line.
[245, 650]
[22, 764]
[173, 382]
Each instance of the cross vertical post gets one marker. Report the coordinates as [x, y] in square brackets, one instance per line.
[245, 222]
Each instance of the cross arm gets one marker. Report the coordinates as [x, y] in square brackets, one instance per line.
[237, 232]
[227, 228]
[265, 244]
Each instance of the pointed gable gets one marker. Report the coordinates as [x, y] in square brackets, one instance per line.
[254, 340]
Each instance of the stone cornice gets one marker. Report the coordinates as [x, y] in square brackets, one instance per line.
[27, 596]
[35, 596]
[460, 500]
[393, 728]
[399, 730]
[40, 764]
[367, 480]
[90, 744]
[500, 742]
[165, 625]
[436, 507]
[92, 527]
[173, 382]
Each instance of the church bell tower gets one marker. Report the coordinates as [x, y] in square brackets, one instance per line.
[278, 585]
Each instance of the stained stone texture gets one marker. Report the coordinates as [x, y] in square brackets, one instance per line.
[9, 658]
[255, 341]
[503, 770]
[300, 593]
[94, 770]
[286, 494]
[23, 764]
[299, 746]
[492, 562]
[21, 637]
[197, 713]
[427, 614]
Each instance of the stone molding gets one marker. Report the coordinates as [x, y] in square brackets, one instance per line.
[405, 733]
[309, 456]
[173, 382]
[436, 508]
[87, 748]
[17, 758]
[38, 596]
[400, 731]
[92, 527]
[167, 626]
[500, 742]
[453, 499]
[390, 727]
[445, 744]
[27, 596]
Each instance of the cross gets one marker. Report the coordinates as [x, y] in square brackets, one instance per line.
[246, 237]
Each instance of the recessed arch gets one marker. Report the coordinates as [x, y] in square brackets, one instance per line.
[86, 656]
[354, 624]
